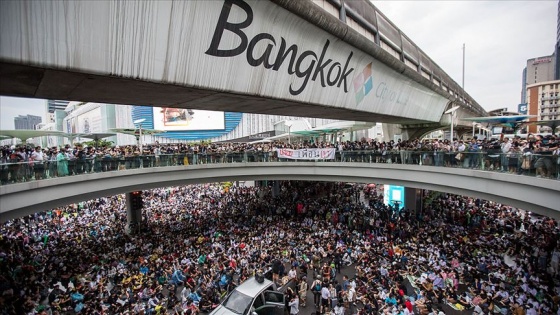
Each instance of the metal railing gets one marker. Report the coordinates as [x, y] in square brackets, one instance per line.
[540, 165]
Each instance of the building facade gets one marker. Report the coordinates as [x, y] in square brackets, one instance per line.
[557, 47]
[540, 69]
[27, 122]
[181, 125]
[542, 101]
[52, 106]
[79, 118]
[198, 125]
[524, 86]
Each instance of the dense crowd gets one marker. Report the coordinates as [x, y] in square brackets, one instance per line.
[535, 155]
[200, 241]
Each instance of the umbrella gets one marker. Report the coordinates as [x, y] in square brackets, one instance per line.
[71, 136]
[500, 119]
[25, 134]
[261, 141]
[136, 131]
[552, 124]
[96, 136]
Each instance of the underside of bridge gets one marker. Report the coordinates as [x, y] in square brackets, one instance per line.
[524, 192]
[292, 58]
[39, 82]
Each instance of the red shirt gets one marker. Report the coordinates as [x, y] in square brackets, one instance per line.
[408, 305]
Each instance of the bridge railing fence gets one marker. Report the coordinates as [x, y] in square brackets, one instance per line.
[540, 165]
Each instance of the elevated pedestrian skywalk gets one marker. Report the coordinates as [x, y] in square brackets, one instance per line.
[98, 178]
[285, 57]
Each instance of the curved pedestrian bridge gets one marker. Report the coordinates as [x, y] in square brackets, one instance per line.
[474, 175]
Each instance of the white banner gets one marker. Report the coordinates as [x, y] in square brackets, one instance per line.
[307, 154]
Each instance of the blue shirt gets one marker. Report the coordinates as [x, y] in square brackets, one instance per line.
[391, 301]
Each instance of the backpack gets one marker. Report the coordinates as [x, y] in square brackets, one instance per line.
[317, 287]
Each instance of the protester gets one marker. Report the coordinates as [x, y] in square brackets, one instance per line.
[536, 155]
[198, 242]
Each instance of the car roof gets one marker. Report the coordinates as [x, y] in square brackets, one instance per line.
[252, 287]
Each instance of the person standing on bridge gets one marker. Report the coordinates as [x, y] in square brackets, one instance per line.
[62, 162]
[37, 158]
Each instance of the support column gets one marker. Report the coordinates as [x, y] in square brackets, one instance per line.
[275, 189]
[413, 199]
[392, 130]
[134, 206]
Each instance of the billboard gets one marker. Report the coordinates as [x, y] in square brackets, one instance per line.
[90, 122]
[393, 195]
[180, 119]
[70, 126]
[522, 109]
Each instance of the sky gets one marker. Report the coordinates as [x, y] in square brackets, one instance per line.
[499, 37]
[11, 107]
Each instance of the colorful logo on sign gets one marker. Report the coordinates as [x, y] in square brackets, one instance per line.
[522, 109]
[363, 84]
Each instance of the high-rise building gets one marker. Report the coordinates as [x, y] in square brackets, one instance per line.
[540, 69]
[541, 78]
[524, 86]
[542, 101]
[557, 47]
[27, 122]
[52, 106]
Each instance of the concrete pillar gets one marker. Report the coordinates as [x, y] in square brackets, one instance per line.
[392, 130]
[275, 188]
[133, 212]
[413, 199]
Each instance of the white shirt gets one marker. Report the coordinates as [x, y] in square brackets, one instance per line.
[338, 310]
[325, 294]
[37, 157]
[506, 146]
[294, 306]
[352, 294]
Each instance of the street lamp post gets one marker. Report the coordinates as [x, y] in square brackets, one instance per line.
[289, 124]
[289, 134]
[139, 123]
[451, 112]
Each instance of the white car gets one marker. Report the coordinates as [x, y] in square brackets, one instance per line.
[253, 297]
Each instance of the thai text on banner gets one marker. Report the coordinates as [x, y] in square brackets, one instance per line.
[307, 154]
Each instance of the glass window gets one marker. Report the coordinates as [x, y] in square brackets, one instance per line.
[273, 297]
[258, 302]
[237, 302]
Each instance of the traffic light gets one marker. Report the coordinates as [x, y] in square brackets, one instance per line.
[136, 201]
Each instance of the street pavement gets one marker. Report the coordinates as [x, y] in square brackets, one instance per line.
[310, 309]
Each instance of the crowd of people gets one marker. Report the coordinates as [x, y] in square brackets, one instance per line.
[535, 155]
[339, 242]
